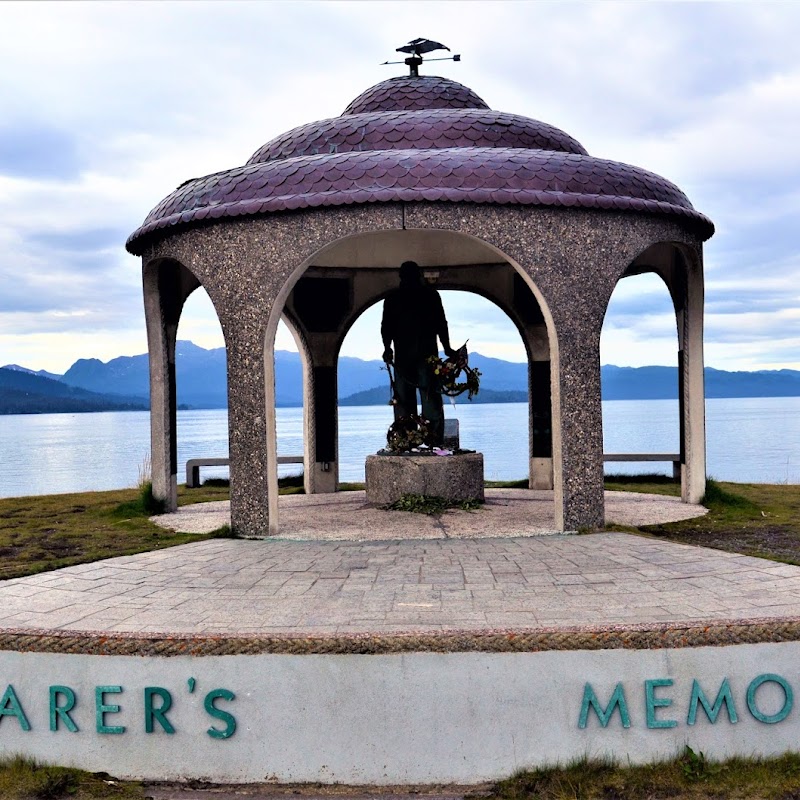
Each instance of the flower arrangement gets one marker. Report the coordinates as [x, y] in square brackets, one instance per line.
[411, 432]
[447, 372]
[407, 433]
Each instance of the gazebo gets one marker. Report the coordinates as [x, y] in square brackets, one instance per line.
[312, 230]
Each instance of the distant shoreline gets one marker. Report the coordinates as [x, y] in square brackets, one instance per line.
[201, 377]
[346, 404]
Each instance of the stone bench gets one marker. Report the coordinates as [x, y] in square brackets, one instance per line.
[675, 458]
[193, 467]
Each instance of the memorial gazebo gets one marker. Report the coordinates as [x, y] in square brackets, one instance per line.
[313, 229]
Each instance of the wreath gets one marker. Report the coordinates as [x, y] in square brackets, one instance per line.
[448, 371]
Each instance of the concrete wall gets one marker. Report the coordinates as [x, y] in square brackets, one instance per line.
[412, 718]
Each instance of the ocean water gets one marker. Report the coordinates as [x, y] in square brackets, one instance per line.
[755, 440]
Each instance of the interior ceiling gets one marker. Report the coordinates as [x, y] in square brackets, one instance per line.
[388, 249]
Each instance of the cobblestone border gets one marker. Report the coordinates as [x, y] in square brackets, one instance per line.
[716, 633]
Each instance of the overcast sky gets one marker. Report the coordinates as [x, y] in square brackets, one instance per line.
[105, 107]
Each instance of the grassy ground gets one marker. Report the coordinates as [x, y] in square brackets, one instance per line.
[750, 518]
[43, 533]
[25, 779]
[52, 531]
[689, 777]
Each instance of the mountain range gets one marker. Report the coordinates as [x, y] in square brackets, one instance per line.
[123, 383]
[22, 392]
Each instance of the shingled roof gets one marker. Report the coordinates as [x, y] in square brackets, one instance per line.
[411, 139]
[421, 93]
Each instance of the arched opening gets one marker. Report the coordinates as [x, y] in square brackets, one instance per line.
[493, 423]
[201, 384]
[167, 284]
[332, 288]
[642, 320]
[293, 415]
[639, 376]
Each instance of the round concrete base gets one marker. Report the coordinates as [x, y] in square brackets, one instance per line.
[398, 662]
[456, 478]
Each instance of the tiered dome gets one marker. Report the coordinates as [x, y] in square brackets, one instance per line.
[411, 139]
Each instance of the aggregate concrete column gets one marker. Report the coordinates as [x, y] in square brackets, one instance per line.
[693, 422]
[578, 434]
[250, 425]
[309, 422]
[309, 418]
[162, 309]
[540, 409]
[322, 400]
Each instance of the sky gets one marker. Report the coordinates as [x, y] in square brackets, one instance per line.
[106, 107]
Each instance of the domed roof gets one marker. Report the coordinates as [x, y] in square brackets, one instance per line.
[414, 94]
[418, 139]
[416, 130]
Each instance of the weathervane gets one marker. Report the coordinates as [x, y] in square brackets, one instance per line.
[415, 48]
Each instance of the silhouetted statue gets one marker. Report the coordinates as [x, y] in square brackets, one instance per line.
[413, 317]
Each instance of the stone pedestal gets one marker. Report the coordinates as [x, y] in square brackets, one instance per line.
[456, 477]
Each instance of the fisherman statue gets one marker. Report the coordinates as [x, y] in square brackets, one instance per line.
[413, 318]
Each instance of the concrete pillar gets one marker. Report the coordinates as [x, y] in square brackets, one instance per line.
[321, 306]
[693, 420]
[540, 408]
[251, 433]
[323, 404]
[162, 304]
[313, 482]
[577, 427]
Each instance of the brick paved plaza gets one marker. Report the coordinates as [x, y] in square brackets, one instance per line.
[274, 586]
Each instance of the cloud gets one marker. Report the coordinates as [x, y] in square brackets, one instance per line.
[107, 107]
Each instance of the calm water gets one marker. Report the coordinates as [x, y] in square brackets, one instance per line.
[749, 440]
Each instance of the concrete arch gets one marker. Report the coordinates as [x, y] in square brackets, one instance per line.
[679, 265]
[167, 284]
[534, 338]
[323, 366]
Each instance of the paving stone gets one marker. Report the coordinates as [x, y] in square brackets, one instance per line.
[281, 586]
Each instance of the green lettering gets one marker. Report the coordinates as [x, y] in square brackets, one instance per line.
[10, 707]
[153, 714]
[788, 701]
[224, 716]
[604, 714]
[61, 713]
[102, 708]
[712, 712]
[652, 703]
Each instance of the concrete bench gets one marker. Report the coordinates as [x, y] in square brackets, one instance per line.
[193, 467]
[675, 458]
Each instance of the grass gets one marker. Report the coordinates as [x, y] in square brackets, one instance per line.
[760, 520]
[520, 484]
[651, 483]
[24, 778]
[52, 531]
[430, 505]
[690, 776]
